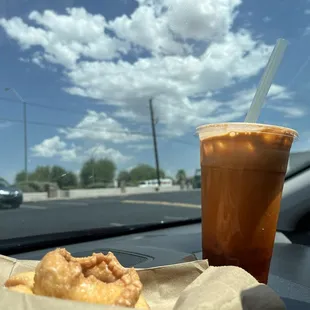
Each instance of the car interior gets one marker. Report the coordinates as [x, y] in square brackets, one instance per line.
[172, 243]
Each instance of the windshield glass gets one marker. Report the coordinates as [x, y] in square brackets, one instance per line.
[297, 162]
[100, 101]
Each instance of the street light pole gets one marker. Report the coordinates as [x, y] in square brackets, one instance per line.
[25, 128]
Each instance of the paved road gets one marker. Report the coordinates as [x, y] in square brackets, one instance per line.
[68, 215]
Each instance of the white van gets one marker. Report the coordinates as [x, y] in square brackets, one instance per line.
[154, 183]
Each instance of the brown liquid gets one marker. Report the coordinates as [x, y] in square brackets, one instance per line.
[242, 181]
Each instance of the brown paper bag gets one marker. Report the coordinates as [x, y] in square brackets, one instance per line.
[192, 285]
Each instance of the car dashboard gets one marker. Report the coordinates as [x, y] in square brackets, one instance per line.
[290, 267]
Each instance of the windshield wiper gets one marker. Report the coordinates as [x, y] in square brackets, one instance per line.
[40, 242]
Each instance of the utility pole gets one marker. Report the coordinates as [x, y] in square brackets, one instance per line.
[153, 121]
[25, 128]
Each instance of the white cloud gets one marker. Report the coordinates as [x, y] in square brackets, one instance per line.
[147, 30]
[289, 111]
[307, 12]
[278, 92]
[102, 151]
[38, 59]
[99, 126]
[130, 115]
[65, 38]
[140, 147]
[171, 80]
[54, 146]
[171, 75]
[191, 57]
[201, 20]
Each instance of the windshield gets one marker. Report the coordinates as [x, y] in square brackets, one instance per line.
[100, 101]
[297, 162]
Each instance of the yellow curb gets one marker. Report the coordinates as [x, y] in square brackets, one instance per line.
[165, 203]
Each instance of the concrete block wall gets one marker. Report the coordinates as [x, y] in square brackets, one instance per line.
[98, 192]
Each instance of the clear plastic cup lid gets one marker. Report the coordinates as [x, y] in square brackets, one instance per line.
[210, 130]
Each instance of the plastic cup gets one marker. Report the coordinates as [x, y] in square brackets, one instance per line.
[243, 167]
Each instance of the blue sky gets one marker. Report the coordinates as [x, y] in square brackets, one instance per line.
[87, 69]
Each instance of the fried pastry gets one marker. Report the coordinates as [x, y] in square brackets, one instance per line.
[99, 279]
[24, 278]
[21, 289]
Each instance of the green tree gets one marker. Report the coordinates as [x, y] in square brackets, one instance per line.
[93, 171]
[105, 170]
[57, 173]
[87, 171]
[68, 180]
[181, 175]
[63, 177]
[124, 175]
[20, 177]
[41, 174]
[144, 172]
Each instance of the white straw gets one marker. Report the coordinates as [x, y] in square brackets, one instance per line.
[266, 81]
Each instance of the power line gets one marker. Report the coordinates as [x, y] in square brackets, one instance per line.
[22, 101]
[74, 111]
[54, 125]
[68, 110]
[299, 71]
[43, 106]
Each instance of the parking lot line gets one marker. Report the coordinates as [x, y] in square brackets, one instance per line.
[165, 203]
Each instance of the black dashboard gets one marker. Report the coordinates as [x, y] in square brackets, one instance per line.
[290, 267]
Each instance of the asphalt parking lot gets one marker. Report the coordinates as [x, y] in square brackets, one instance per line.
[68, 215]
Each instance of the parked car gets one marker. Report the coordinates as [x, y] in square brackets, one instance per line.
[10, 196]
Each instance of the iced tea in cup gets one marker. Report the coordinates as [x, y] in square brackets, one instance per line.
[243, 166]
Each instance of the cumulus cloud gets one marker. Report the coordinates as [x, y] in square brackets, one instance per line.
[289, 111]
[140, 147]
[101, 151]
[99, 126]
[143, 28]
[53, 147]
[186, 55]
[56, 147]
[199, 20]
[65, 38]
